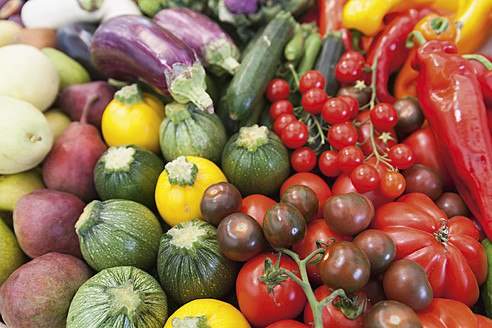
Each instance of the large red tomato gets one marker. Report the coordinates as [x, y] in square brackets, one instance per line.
[424, 145]
[256, 206]
[316, 230]
[260, 307]
[313, 181]
[446, 313]
[448, 249]
[332, 316]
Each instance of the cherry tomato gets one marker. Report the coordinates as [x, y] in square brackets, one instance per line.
[364, 135]
[365, 177]
[287, 324]
[259, 306]
[303, 159]
[383, 116]
[256, 206]
[342, 134]
[352, 103]
[349, 67]
[313, 181]
[335, 110]
[282, 121]
[240, 237]
[389, 313]
[349, 157]
[277, 89]
[327, 163]
[402, 156]
[379, 248]
[219, 200]
[344, 265]
[316, 230]
[304, 199]
[392, 184]
[280, 107]
[294, 135]
[313, 100]
[311, 79]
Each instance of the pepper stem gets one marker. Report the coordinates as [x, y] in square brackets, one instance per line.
[481, 59]
[129, 95]
[439, 25]
[409, 43]
[181, 172]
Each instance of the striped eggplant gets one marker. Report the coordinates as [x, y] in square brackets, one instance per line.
[135, 48]
[212, 44]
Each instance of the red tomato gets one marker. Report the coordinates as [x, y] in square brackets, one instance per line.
[316, 230]
[424, 145]
[259, 306]
[287, 324]
[454, 261]
[333, 317]
[256, 205]
[364, 133]
[447, 313]
[313, 181]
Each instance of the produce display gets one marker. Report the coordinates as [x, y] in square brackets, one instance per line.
[245, 163]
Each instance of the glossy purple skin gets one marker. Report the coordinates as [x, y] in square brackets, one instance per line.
[190, 26]
[131, 47]
[242, 6]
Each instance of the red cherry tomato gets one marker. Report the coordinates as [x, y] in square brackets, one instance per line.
[352, 103]
[282, 121]
[294, 134]
[311, 79]
[384, 116]
[327, 163]
[313, 100]
[303, 159]
[349, 158]
[277, 89]
[335, 110]
[402, 156]
[281, 106]
[392, 184]
[342, 135]
[365, 177]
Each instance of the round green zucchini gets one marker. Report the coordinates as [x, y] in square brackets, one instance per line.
[128, 172]
[188, 131]
[191, 265]
[256, 161]
[119, 297]
[118, 232]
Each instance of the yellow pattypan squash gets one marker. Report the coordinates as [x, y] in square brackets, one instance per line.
[133, 117]
[207, 312]
[181, 185]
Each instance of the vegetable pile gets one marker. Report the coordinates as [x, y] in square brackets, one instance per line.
[268, 164]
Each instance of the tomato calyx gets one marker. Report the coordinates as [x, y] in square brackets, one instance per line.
[350, 305]
[442, 235]
[273, 275]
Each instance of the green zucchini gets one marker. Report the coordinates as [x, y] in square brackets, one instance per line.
[191, 265]
[256, 161]
[119, 297]
[118, 232]
[332, 49]
[258, 67]
[128, 172]
[188, 131]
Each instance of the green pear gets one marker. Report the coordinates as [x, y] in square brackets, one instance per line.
[11, 255]
[69, 70]
[14, 186]
[58, 121]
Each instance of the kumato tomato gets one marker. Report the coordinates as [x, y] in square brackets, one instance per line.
[283, 225]
[304, 199]
[389, 313]
[344, 265]
[219, 200]
[259, 306]
[379, 248]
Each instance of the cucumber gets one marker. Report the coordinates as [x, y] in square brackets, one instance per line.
[332, 49]
[258, 67]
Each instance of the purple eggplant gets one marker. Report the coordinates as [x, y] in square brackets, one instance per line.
[134, 48]
[212, 44]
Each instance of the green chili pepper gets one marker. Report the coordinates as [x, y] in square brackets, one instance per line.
[293, 48]
[311, 50]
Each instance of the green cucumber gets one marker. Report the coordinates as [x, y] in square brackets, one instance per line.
[332, 49]
[258, 67]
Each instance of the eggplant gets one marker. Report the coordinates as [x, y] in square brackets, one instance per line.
[212, 44]
[134, 48]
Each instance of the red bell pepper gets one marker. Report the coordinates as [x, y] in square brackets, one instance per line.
[451, 98]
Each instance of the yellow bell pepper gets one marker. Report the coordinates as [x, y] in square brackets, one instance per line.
[367, 16]
[476, 18]
[207, 312]
[133, 117]
[181, 185]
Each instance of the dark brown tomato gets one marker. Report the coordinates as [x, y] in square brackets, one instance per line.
[406, 281]
[362, 96]
[219, 200]
[421, 178]
[374, 289]
[452, 204]
[344, 265]
[348, 214]
[379, 248]
[240, 237]
[283, 225]
[390, 314]
[304, 199]
[410, 117]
